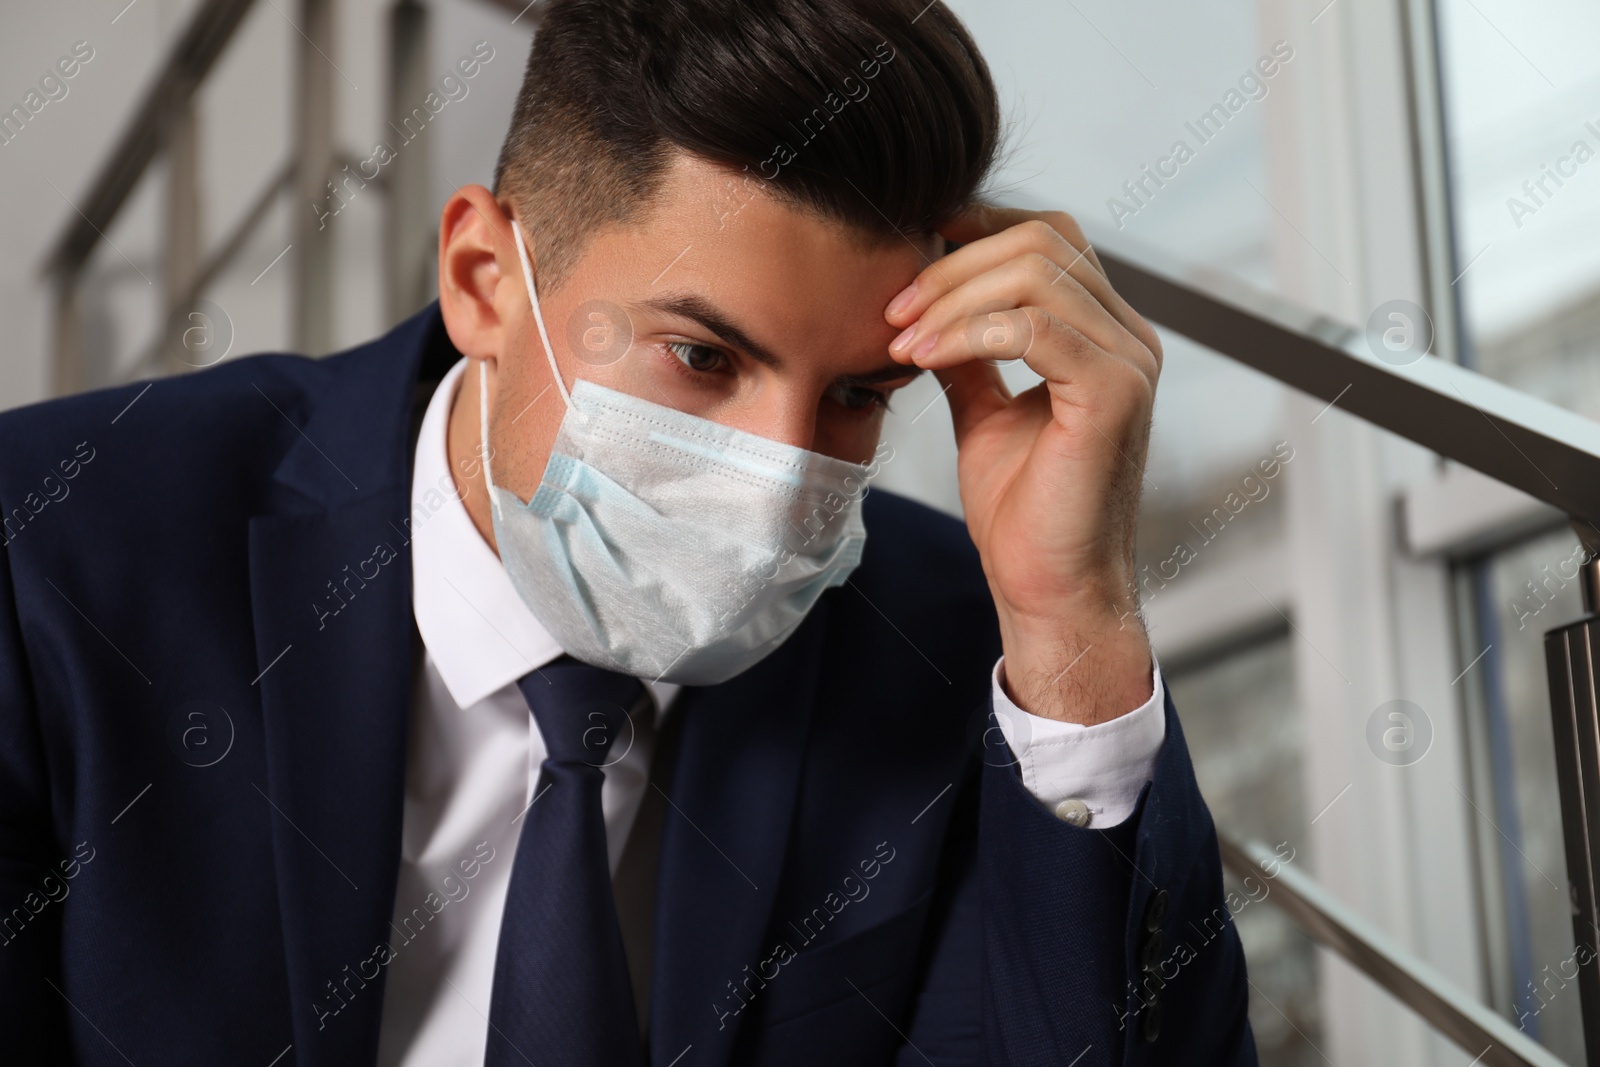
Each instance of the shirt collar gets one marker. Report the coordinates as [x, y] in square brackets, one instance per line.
[478, 632]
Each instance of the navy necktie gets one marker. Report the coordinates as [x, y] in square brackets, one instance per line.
[562, 996]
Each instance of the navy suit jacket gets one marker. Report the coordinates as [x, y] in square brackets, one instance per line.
[202, 773]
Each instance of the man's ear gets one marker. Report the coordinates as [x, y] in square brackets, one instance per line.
[480, 280]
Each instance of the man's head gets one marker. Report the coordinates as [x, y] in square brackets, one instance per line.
[719, 199]
[879, 114]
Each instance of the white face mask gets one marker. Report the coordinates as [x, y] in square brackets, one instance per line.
[667, 546]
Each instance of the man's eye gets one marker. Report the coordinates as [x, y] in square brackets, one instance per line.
[859, 397]
[697, 357]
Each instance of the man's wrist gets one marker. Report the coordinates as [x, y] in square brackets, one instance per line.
[1070, 767]
[1093, 671]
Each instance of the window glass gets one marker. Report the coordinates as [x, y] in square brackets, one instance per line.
[1519, 81]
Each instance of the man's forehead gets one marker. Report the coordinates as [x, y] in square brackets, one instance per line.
[736, 210]
[791, 280]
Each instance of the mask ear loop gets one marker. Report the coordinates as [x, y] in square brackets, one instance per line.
[538, 316]
[483, 366]
[483, 432]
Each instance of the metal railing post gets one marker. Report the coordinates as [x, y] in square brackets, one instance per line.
[314, 197]
[68, 376]
[408, 231]
[1572, 657]
[208, 31]
[182, 238]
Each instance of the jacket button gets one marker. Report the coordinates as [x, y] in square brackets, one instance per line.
[1073, 811]
[1154, 943]
[1155, 912]
[1150, 1024]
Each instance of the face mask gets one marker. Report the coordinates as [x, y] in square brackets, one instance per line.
[667, 546]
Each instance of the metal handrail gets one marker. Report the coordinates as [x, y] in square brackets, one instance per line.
[191, 60]
[159, 124]
[227, 251]
[208, 33]
[1479, 1030]
[1546, 451]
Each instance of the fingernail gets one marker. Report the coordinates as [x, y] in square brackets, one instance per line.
[925, 347]
[903, 301]
[904, 339]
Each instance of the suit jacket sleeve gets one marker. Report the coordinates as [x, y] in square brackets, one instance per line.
[1114, 945]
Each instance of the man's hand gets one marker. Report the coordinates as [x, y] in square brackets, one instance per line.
[1049, 479]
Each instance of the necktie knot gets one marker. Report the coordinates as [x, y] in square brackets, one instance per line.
[582, 711]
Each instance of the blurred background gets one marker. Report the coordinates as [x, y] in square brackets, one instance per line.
[189, 181]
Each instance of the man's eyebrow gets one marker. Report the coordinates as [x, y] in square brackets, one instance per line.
[698, 309]
[894, 372]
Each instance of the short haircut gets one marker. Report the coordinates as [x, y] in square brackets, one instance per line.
[878, 113]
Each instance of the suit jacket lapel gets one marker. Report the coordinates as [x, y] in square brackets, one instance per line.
[732, 791]
[330, 583]
[334, 706]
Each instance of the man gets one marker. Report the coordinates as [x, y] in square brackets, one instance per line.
[698, 750]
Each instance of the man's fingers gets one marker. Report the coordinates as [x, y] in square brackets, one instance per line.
[1018, 281]
[984, 220]
[1053, 235]
[1033, 237]
[975, 391]
[1055, 350]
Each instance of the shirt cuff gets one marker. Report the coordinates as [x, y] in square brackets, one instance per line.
[1087, 775]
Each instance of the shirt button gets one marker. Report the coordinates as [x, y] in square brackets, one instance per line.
[1073, 811]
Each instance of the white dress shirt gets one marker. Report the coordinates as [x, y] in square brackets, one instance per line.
[475, 753]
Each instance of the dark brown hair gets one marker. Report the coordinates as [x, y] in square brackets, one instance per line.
[878, 113]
